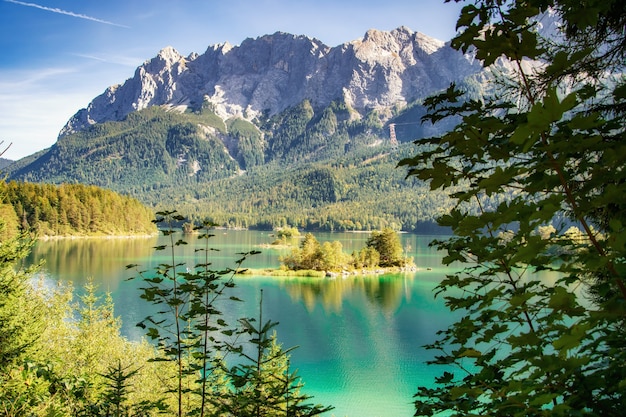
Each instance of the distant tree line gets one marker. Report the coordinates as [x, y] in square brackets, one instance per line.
[361, 192]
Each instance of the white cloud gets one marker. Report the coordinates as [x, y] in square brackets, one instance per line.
[35, 105]
[31, 122]
[116, 59]
[64, 12]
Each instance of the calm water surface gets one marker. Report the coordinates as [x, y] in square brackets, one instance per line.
[359, 338]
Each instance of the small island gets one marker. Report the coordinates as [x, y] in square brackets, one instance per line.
[382, 254]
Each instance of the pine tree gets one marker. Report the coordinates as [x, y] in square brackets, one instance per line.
[263, 383]
[20, 310]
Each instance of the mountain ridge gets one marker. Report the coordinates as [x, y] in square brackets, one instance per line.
[271, 73]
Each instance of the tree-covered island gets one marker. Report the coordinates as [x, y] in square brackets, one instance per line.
[382, 252]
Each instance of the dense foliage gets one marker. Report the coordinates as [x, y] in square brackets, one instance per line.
[551, 139]
[387, 243]
[55, 354]
[72, 209]
[20, 321]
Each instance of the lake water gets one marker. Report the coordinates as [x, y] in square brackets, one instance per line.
[359, 338]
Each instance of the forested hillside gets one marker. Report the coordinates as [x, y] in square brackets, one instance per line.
[365, 192]
[315, 169]
[71, 209]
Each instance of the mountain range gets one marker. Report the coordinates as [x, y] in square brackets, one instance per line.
[269, 74]
[289, 122]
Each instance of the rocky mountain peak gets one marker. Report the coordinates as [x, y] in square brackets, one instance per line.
[273, 72]
[222, 48]
[168, 56]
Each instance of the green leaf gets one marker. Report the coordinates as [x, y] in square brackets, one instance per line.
[572, 339]
[462, 391]
[520, 299]
[446, 378]
[562, 300]
[470, 353]
[543, 399]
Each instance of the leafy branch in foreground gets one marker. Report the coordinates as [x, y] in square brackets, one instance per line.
[189, 327]
[546, 154]
[194, 336]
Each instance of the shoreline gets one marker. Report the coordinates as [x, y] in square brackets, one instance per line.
[71, 237]
[309, 273]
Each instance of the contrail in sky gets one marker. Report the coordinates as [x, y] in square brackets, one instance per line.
[65, 12]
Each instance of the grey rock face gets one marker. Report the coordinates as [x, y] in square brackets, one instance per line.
[274, 72]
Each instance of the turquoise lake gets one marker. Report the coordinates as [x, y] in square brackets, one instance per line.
[359, 338]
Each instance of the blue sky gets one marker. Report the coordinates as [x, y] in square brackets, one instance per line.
[57, 55]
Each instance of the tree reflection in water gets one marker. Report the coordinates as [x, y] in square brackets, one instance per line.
[386, 291]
